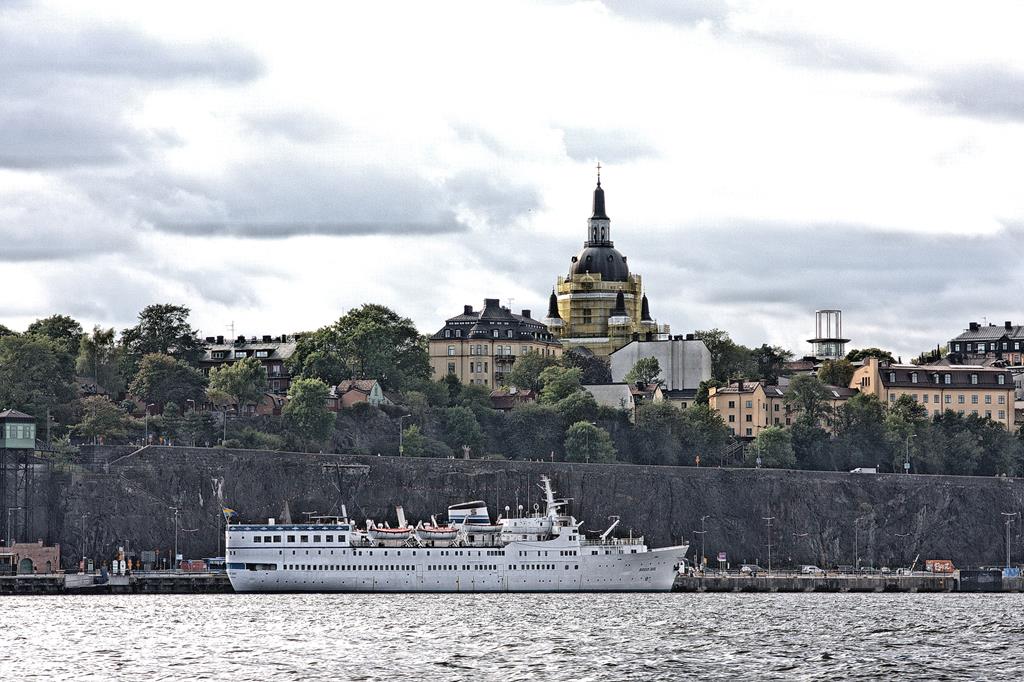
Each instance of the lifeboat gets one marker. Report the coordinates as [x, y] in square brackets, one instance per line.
[375, 532]
[434, 532]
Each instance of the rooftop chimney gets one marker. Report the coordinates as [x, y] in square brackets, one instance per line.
[209, 339]
[975, 326]
[467, 310]
[1008, 324]
[220, 339]
[690, 337]
[526, 312]
[266, 338]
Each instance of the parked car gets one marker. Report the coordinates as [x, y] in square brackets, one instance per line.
[811, 570]
[751, 569]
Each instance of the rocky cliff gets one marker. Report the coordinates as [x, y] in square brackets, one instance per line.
[824, 518]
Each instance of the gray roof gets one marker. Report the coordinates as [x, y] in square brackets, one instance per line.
[959, 375]
[991, 332]
[279, 350]
[14, 414]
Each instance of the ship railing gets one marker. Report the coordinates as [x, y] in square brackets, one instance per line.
[613, 541]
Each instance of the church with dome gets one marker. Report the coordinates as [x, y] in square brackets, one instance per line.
[600, 305]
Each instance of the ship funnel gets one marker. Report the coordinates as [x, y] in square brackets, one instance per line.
[401, 516]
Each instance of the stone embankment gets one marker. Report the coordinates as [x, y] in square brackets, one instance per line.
[124, 497]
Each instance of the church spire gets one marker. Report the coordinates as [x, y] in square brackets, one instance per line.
[553, 307]
[599, 226]
[645, 310]
[599, 212]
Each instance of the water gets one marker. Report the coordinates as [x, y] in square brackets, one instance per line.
[513, 637]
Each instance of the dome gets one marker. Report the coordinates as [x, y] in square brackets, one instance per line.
[605, 260]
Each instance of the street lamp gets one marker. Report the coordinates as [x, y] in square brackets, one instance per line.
[769, 520]
[401, 442]
[9, 510]
[175, 556]
[903, 550]
[702, 532]
[588, 441]
[1009, 519]
[149, 405]
[906, 460]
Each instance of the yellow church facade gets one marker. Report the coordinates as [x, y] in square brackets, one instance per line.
[600, 305]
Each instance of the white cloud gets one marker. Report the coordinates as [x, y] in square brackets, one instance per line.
[761, 160]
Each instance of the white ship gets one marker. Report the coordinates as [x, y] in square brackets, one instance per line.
[545, 552]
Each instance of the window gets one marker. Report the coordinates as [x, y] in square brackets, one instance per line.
[925, 398]
[936, 396]
[749, 404]
[291, 538]
[1004, 345]
[947, 379]
[892, 397]
[447, 333]
[1001, 379]
[974, 399]
[494, 333]
[949, 399]
[458, 333]
[304, 538]
[586, 316]
[960, 399]
[913, 396]
[974, 379]
[240, 354]
[749, 432]
[913, 377]
[748, 418]
[257, 538]
[988, 414]
[263, 353]
[451, 368]
[776, 407]
[956, 346]
[892, 377]
[732, 418]
[732, 404]
[1002, 415]
[508, 334]
[1002, 400]
[988, 400]
[451, 350]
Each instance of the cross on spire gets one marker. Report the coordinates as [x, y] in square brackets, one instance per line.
[598, 173]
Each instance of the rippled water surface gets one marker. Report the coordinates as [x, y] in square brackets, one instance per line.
[513, 637]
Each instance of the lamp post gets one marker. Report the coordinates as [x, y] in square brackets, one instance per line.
[1009, 519]
[903, 551]
[149, 405]
[702, 532]
[769, 520]
[174, 557]
[906, 460]
[401, 441]
[798, 536]
[9, 510]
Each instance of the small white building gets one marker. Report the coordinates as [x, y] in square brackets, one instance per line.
[685, 362]
[617, 396]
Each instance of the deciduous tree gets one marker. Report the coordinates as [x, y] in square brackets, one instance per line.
[585, 442]
[527, 369]
[646, 371]
[242, 382]
[306, 414]
[64, 331]
[161, 379]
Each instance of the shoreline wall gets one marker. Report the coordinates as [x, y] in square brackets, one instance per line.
[124, 499]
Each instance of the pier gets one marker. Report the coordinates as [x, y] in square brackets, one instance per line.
[959, 581]
[152, 582]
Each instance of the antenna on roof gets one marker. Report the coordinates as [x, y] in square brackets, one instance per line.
[232, 328]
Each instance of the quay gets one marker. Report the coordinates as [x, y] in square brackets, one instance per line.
[149, 582]
[959, 581]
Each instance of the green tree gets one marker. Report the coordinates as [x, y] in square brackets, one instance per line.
[462, 428]
[163, 328]
[728, 359]
[102, 419]
[656, 435]
[704, 390]
[585, 442]
[305, 414]
[704, 433]
[809, 397]
[859, 354]
[64, 331]
[36, 375]
[527, 369]
[558, 383]
[811, 446]
[242, 382]
[369, 342]
[99, 357]
[161, 379]
[534, 432]
[860, 433]
[836, 372]
[418, 444]
[596, 370]
[577, 406]
[646, 371]
[6, 331]
[769, 362]
[774, 446]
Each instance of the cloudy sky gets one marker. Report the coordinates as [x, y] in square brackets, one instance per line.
[274, 167]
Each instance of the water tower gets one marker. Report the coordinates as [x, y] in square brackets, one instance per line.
[828, 342]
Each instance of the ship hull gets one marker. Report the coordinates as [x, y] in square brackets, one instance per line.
[653, 570]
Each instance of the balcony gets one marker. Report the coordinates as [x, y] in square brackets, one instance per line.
[504, 359]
